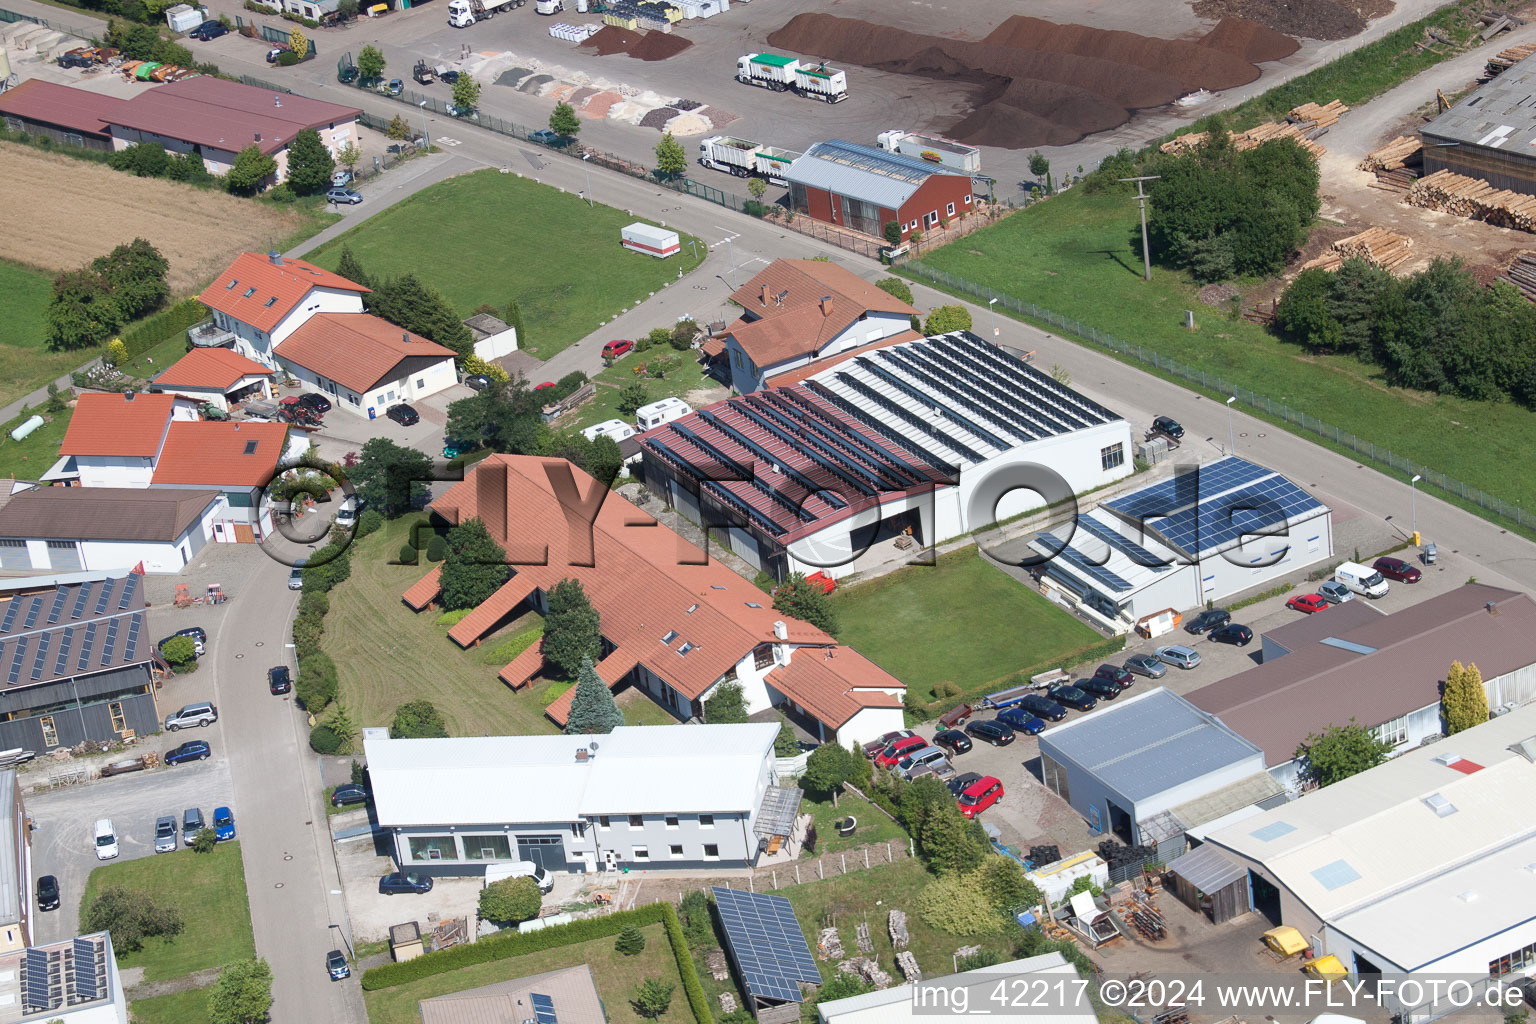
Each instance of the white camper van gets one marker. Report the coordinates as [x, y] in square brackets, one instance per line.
[649, 417]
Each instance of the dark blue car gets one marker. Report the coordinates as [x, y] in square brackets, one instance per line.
[192, 750]
[400, 882]
[1021, 720]
[1039, 706]
[223, 823]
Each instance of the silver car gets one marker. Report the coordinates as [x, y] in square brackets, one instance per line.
[165, 835]
[198, 715]
[1179, 656]
[1146, 665]
[1335, 592]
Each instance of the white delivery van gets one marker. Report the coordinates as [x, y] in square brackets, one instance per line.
[519, 869]
[649, 417]
[1361, 579]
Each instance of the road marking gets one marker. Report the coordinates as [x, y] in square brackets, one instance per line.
[443, 140]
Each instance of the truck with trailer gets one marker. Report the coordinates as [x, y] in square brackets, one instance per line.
[935, 149]
[464, 13]
[745, 159]
[549, 6]
[787, 74]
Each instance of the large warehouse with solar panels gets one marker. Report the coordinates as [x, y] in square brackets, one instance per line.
[1201, 535]
[75, 661]
[926, 438]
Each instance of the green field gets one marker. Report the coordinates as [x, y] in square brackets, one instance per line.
[189, 1007]
[489, 237]
[24, 363]
[873, 827]
[614, 975]
[208, 889]
[30, 457]
[1080, 255]
[962, 620]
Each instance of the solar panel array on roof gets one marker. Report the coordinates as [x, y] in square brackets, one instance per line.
[14, 676]
[58, 605]
[543, 1008]
[36, 994]
[64, 644]
[131, 648]
[34, 610]
[1112, 582]
[767, 944]
[11, 608]
[129, 588]
[85, 647]
[87, 964]
[81, 597]
[106, 593]
[110, 643]
[1200, 510]
[43, 643]
[1135, 552]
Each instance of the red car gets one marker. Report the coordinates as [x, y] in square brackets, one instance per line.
[899, 749]
[614, 349]
[1397, 569]
[979, 795]
[1308, 603]
[546, 384]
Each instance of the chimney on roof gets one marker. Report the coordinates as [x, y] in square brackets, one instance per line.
[1492, 607]
[276, 102]
[780, 630]
[276, 258]
[765, 295]
[826, 305]
[582, 757]
[405, 336]
[258, 136]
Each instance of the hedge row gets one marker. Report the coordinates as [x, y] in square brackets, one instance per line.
[510, 944]
[698, 1002]
[148, 333]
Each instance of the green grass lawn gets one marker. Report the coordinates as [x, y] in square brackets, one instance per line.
[208, 889]
[26, 294]
[1080, 255]
[470, 239]
[147, 364]
[638, 708]
[615, 976]
[189, 1007]
[963, 620]
[853, 897]
[686, 377]
[387, 654]
[30, 457]
[873, 826]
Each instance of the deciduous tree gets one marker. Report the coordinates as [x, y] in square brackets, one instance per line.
[572, 628]
[179, 650]
[242, 994]
[896, 286]
[466, 92]
[652, 997]
[1339, 752]
[81, 312]
[132, 916]
[475, 568]
[671, 157]
[829, 766]
[135, 273]
[564, 122]
[943, 319]
[298, 42]
[1464, 702]
[417, 719]
[391, 477]
[1039, 166]
[250, 172]
[593, 709]
[951, 904]
[805, 601]
[370, 63]
[728, 706]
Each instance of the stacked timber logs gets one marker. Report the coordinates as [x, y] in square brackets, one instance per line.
[1377, 246]
[1475, 199]
[1398, 153]
[1321, 117]
[1522, 274]
[1255, 136]
[1506, 59]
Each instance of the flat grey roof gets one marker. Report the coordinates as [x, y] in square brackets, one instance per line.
[10, 896]
[1501, 115]
[1147, 744]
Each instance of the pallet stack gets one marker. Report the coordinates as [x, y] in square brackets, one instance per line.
[1522, 274]
[1377, 246]
[1400, 152]
[1508, 58]
[1475, 199]
[829, 945]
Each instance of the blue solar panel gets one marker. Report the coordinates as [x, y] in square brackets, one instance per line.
[86, 964]
[10, 614]
[14, 675]
[42, 655]
[81, 597]
[1180, 491]
[33, 612]
[1135, 552]
[58, 605]
[85, 647]
[767, 944]
[1247, 510]
[106, 592]
[543, 1008]
[128, 591]
[1111, 582]
[64, 645]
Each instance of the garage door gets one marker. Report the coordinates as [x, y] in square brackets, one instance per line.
[63, 555]
[244, 534]
[13, 555]
[546, 851]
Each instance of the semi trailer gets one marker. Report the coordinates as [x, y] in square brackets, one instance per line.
[787, 74]
[935, 149]
[745, 159]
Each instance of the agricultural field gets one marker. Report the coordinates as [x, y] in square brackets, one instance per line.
[566, 293]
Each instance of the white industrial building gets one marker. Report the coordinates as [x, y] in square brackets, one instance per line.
[72, 981]
[1152, 766]
[931, 438]
[1423, 864]
[674, 797]
[1201, 535]
[67, 529]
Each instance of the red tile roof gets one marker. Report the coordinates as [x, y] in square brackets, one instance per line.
[824, 685]
[256, 291]
[113, 424]
[521, 668]
[477, 623]
[220, 454]
[227, 115]
[75, 109]
[424, 591]
[356, 350]
[210, 368]
[645, 581]
[786, 301]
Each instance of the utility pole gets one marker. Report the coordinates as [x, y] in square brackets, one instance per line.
[1141, 197]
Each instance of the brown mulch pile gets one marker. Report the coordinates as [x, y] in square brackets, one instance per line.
[659, 117]
[1038, 83]
[1311, 19]
[719, 118]
[610, 40]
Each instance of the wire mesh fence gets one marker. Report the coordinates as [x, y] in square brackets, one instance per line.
[1308, 423]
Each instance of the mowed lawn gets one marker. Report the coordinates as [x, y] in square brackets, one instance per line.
[615, 975]
[30, 457]
[1080, 255]
[189, 1007]
[489, 237]
[25, 363]
[208, 889]
[386, 654]
[962, 620]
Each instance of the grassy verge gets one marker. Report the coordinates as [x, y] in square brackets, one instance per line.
[26, 292]
[638, 708]
[1075, 255]
[566, 293]
[30, 457]
[189, 1007]
[874, 827]
[386, 654]
[156, 359]
[615, 975]
[963, 621]
[208, 889]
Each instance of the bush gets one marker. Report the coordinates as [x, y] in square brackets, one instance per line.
[369, 522]
[307, 633]
[313, 602]
[288, 59]
[895, 287]
[283, 193]
[205, 840]
[697, 926]
[179, 650]
[698, 1002]
[753, 208]
[131, 916]
[408, 554]
[323, 740]
[510, 900]
[953, 905]
[316, 686]
[568, 385]
[437, 548]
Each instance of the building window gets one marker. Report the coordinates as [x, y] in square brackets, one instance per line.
[671, 821]
[50, 731]
[676, 849]
[640, 853]
[421, 382]
[1519, 959]
[967, 200]
[671, 635]
[491, 847]
[762, 656]
[637, 821]
[912, 226]
[1112, 456]
[711, 851]
[950, 209]
[706, 821]
[433, 848]
[119, 721]
[1394, 732]
[931, 219]
[602, 822]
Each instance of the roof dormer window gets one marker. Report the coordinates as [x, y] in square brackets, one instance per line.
[249, 292]
[232, 282]
[250, 447]
[671, 635]
[269, 302]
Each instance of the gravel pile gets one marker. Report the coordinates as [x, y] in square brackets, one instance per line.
[659, 117]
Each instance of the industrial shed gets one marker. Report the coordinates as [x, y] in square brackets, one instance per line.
[928, 438]
[864, 188]
[1149, 767]
[1489, 134]
[1208, 882]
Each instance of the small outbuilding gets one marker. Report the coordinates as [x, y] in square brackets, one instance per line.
[405, 941]
[650, 239]
[1209, 882]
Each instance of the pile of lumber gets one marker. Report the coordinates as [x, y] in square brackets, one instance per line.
[1377, 246]
[1522, 274]
[1400, 180]
[1321, 117]
[1398, 153]
[906, 963]
[1475, 199]
[1249, 139]
[897, 923]
[1506, 59]
[866, 968]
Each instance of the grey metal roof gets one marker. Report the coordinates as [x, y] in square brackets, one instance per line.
[10, 895]
[1501, 115]
[1147, 744]
[862, 172]
[1207, 869]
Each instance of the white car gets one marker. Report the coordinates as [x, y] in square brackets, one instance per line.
[106, 840]
[1178, 656]
[340, 177]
